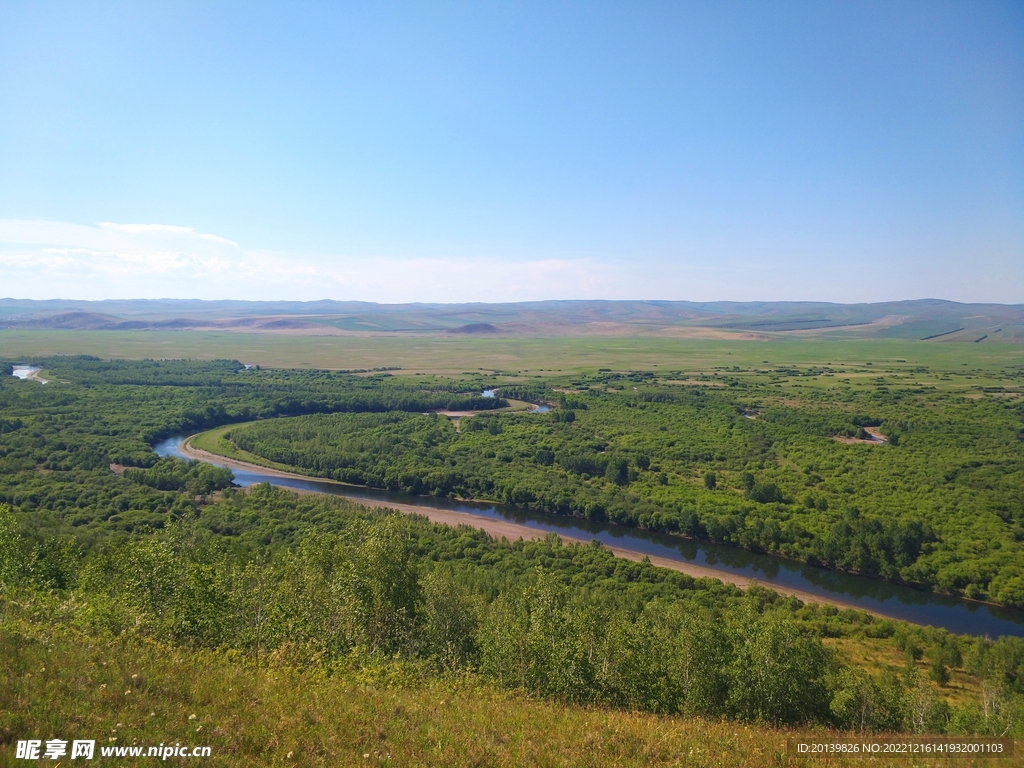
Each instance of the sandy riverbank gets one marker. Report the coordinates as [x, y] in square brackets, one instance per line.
[509, 530]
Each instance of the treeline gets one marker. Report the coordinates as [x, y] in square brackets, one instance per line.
[88, 370]
[290, 392]
[571, 623]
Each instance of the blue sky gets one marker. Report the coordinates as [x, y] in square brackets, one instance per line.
[508, 151]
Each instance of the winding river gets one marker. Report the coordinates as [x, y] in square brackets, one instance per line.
[879, 597]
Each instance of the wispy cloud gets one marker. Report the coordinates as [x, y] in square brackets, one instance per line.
[53, 259]
[46, 259]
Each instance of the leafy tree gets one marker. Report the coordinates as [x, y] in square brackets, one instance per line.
[779, 675]
[618, 471]
[855, 700]
[384, 590]
[451, 619]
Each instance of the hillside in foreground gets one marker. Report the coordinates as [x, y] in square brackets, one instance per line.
[58, 682]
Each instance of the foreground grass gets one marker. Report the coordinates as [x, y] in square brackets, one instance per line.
[58, 683]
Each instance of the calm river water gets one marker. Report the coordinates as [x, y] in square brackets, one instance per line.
[870, 594]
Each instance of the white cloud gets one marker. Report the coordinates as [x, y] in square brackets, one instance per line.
[164, 229]
[47, 259]
[50, 259]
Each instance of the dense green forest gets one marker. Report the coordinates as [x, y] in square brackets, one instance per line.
[939, 504]
[168, 550]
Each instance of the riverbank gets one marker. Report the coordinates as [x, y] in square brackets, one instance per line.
[509, 530]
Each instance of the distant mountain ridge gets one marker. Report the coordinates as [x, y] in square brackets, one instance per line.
[925, 319]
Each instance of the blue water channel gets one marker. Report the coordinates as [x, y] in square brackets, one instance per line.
[898, 602]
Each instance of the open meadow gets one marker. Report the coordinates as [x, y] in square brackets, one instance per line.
[545, 357]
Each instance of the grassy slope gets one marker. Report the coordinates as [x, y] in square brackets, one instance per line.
[58, 683]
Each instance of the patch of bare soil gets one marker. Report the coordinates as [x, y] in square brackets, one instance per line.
[698, 332]
[877, 438]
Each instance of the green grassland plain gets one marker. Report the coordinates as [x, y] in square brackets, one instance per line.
[984, 364]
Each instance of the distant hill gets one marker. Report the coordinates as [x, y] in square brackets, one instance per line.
[926, 319]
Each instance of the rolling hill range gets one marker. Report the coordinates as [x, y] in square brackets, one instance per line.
[925, 319]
